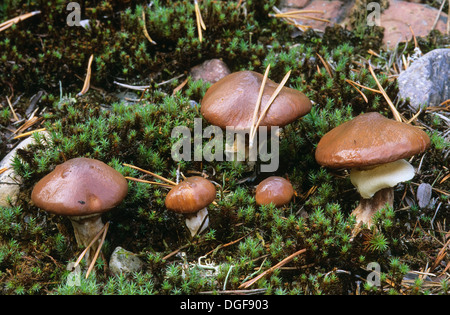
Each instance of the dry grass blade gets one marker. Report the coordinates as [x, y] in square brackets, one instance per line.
[258, 103]
[269, 103]
[386, 97]
[11, 22]
[30, 122]
[150, 173]
[200, 24]
[250, 282]
[145, 29]
[87, 80]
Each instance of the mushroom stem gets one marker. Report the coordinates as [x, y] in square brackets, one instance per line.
[197, 222]
[85, 229]
[368, 207]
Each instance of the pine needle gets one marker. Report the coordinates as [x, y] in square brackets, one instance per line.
[26, 134]
[269, 103]
[95, 238]
[258, 104]
[326, 65]
[200, 24]
[7, 24]
[150, 173]
[248, 283]
[148, 182]
[145, 29]
[386, 97]
[87, 79]
[12, 109]
[94, 259]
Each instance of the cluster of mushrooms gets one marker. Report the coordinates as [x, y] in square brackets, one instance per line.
[373, 147]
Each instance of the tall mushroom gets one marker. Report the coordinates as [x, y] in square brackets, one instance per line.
[274, 189]
[191, 198]
[374, 148]
[231, 102]
[81, 189]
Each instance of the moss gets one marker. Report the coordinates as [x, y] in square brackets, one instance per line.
[243, 239]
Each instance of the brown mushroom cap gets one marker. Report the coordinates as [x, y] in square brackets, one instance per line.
[80, 187]
[191, 195]
[274, 189]
[369, 139]
[231, 102]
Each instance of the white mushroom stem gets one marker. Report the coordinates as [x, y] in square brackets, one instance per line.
[85, 229]
[375, 185]
[194, 221]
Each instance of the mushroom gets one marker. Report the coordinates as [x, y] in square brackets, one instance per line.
[274, 189]
[81, 189]
[191, 198]
[374, 148]
[231, 101]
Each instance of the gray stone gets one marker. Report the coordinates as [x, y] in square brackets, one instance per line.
[123, 261]
[424, 192]
[426, 82]
[9, 180]
[210, 71]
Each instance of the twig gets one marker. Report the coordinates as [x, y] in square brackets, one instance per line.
[247, 284]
